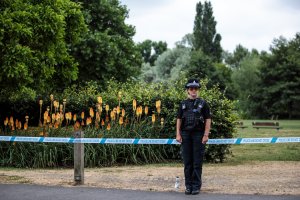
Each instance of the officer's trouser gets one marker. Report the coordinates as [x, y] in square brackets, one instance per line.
[193, 152]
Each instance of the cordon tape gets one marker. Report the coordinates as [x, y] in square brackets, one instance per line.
[270, 140]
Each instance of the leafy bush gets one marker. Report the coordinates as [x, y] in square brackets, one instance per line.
[133, 126]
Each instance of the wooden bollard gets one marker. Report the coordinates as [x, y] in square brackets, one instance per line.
[78, 160]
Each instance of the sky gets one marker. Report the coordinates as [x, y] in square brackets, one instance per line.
[251, 23]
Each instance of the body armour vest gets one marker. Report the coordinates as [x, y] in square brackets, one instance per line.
[192, 117]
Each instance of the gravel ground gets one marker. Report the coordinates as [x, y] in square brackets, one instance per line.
[273, 178]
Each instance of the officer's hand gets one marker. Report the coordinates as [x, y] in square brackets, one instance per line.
[204, 139]
[178, 138]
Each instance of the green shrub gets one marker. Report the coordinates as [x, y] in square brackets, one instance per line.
[82, 98]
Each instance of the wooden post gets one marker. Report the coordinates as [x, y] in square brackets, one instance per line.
[78, 159]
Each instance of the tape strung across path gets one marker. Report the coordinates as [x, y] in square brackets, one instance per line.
[271, 140]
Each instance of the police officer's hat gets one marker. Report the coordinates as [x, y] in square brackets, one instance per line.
[192, 83]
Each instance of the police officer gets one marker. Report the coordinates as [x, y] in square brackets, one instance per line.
[192, 131]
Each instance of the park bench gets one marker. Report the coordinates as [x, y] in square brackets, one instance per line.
[259, 125]
[240, 124]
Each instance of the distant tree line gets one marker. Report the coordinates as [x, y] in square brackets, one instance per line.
[263, 84]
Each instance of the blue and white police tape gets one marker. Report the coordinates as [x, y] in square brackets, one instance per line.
[271, 140]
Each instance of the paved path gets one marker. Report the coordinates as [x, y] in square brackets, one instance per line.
[37, 192]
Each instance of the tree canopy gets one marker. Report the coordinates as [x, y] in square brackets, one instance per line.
[107, 50]
[150, 50]
[280, 78]
[34, 44]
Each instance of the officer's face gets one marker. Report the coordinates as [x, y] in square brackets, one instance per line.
[193, 92]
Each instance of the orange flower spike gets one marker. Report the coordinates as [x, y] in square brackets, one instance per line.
[134, 104]
[57, 117]
[158, 103]
[123, 112]
[82, 122]
[74, 117]
[82, 115]
[112, 115]
[17, 123]
[69, 116]
[6, 121]
[56, 125]
[118, 110]
[20, 125]
[106, 118]
[88, 121]
[25, 126]
[76, 126]
[158, 110]
[92, 114]
[146, 110]
[97, 117]
[11, 121]
[121, 120]
[107, 108]
[45, 115]
[153, 118]
[99, 107]
[108, 127]
[99, 100]
[102, 122]
[48, 119]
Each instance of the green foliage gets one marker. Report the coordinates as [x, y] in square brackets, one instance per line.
[234, 60]
[78, 100]
[206, 39]
[168, 66]
[280, 80]
[151, 50]
[107, 50]
[246, 81]
[34, 39]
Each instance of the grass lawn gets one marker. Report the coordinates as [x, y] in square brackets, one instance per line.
[267, 152]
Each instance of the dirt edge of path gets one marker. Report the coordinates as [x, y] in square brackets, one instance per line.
[267, 178]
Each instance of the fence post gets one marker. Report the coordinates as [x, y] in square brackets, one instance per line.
[79, 159]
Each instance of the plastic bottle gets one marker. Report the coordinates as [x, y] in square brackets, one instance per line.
[176, 183]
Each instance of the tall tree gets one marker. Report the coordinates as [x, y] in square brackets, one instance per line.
[34, 44]
[108, 49]
[150, 50]
[206, 37]
[280, 74]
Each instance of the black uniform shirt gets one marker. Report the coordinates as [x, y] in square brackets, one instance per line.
[205, 110]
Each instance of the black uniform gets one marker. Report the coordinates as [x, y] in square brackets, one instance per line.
[193, 113]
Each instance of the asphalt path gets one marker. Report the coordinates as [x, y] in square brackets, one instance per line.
[36, 192]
